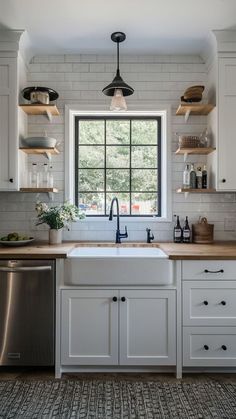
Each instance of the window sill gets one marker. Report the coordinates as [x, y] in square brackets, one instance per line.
[128, 220]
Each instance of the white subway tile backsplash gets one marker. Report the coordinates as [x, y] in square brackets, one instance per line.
[49, 59]
[46, 77]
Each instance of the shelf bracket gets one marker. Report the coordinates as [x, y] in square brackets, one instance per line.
[187, 114]
[49, 115]
[48, 155]
[49, 194]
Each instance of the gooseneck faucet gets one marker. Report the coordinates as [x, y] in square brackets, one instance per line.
[119, 235]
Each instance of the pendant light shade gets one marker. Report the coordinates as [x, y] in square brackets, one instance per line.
[118, 88]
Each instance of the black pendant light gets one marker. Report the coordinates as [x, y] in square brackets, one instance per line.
[118, 88]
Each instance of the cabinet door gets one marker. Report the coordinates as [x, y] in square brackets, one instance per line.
[147, 327]
[227, 125]
[8, 124]
[89, 322]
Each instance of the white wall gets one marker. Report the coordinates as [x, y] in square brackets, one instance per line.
[79, 79]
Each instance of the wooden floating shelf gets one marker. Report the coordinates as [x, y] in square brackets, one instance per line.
[184, 190]
[39, 190]
[49, 110]
[195, 150]
[195, 109]
[36, 150]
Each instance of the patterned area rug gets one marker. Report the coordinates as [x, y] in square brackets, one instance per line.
[117, 399]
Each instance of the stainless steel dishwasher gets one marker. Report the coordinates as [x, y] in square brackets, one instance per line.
[27, 295]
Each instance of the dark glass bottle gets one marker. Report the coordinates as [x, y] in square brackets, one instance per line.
[177, 232]
[204, 177]
[193, 181]
[186, 232]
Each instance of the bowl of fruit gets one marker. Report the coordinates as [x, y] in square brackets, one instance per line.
[15, 239]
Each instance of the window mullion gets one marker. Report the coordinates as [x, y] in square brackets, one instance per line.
[130, 166]
[105, 167]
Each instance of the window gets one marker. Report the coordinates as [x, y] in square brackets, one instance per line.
[118, 156]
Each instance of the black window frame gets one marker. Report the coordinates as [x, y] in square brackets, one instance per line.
[159, 161]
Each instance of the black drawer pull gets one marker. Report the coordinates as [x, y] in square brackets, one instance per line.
[223, 180]
[206, 347]
[114, 299]
[220, 271]
[123, 299]
[11, 180]
[223, 303]
[224, 347]
[205, 303]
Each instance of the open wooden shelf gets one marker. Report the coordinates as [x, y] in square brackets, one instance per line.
[194, 108]
[195, 150]
[36, 150]
[39, 190]
[49, 110]
[183, 190]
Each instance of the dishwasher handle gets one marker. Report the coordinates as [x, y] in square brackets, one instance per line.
[25, 269]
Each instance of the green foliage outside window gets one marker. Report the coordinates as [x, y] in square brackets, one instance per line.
[118, 157]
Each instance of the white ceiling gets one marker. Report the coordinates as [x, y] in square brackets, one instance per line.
[151, 26]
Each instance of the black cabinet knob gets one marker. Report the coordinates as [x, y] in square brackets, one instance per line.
[11, 180]
[205, 303]
[114, 299]
[224, 347]
[123, 299]
[206, 347]
[223, 180]
[223, 303]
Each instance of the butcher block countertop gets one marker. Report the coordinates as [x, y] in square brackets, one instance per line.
[218, 250]
[175, 251]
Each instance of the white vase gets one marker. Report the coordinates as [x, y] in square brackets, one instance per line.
[55, 236]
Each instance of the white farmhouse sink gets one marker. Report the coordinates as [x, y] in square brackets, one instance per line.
[117, 252]
[118, 266]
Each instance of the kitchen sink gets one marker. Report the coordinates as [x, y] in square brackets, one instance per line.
[118, 266]
[117, 252]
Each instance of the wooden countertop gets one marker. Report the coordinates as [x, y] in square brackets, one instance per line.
[42, 250]
[38, 250]
[218, 250]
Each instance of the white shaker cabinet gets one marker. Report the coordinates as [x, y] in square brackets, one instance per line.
[89, 327]
[118, 327]
[227, 124]
[222, 120]
[147, 327]
[12, 121]
[209, 316]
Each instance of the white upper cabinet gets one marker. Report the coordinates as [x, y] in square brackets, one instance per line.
[227, 124]
[222, 120]
[9, 114]
[8, 129]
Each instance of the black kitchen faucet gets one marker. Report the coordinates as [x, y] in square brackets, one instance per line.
[119, 235]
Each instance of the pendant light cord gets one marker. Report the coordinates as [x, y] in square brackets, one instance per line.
[118, 57]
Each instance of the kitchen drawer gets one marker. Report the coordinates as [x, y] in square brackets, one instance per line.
[209, 269]
[209, 304]
[209, 346]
